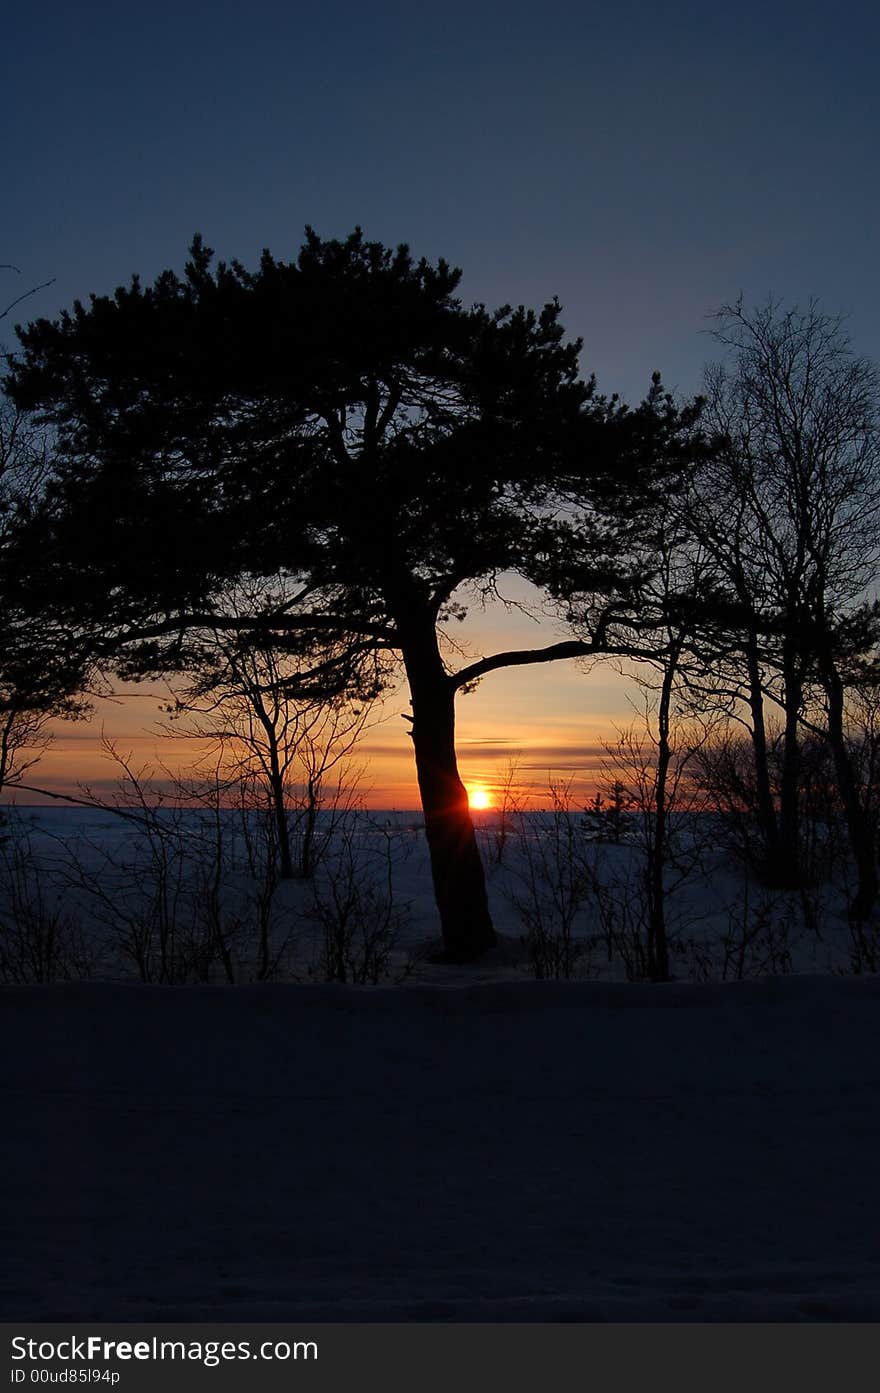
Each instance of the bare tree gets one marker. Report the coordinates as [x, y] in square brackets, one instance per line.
[789, 511]
[36, 682]
[508, 801]
[266, 733]
[656, 618]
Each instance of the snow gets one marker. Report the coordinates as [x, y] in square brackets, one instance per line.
[511, 1151]
[470, 1144]
[100, 872]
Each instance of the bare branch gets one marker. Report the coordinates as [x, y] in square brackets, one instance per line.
[19, 298]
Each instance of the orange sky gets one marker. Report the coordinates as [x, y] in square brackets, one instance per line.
[550, 718]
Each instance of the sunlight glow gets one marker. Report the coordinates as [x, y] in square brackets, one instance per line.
[479, 796]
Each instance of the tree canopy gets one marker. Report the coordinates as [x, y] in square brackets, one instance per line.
[342, 431]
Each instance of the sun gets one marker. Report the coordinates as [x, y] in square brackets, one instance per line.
[479, 796]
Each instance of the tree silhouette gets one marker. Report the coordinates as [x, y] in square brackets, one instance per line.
[789, 511]
[339, 426]
[39, 669]
[267, 739]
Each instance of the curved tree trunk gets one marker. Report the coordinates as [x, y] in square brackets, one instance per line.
[456, 867]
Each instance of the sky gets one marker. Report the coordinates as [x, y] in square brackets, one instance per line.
[643, 163]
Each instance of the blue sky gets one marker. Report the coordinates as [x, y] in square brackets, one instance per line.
[645, 163]
[642, 162]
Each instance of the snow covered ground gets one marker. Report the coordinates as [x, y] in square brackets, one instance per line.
[501, 1152]
[116, 897]
[469, 1144]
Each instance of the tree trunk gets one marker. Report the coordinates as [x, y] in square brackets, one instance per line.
[763, 789]
[279, 812]
[658, 946]
[456, 867]
[310, 817]
[789, 870]
[858, 824]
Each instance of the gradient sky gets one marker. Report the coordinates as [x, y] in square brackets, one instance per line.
[645, 163]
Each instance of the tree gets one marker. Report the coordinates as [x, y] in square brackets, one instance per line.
[789, 510]
[39, 673]
[341, 427]
[266, 736]
[649, 591]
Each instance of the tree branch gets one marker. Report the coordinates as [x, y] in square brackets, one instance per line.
[18, 300]
[519, 657]
[266, 623]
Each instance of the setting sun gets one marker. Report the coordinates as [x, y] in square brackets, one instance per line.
[479, 797]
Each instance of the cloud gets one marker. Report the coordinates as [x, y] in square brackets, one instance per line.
[496, 740]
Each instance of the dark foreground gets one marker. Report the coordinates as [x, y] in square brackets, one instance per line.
[511, 1151]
